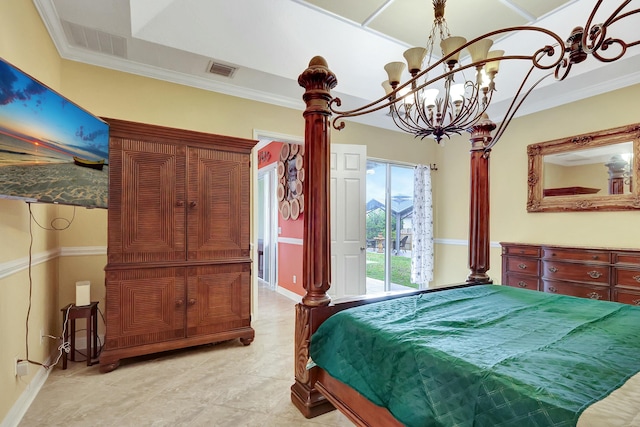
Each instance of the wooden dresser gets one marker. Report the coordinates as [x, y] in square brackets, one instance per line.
[179, 268]
[598, 273]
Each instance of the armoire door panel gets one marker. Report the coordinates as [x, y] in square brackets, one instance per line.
[218, 205]
[145, 306]
[152, 216]
[218, 298]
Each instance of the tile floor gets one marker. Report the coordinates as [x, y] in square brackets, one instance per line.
[224, 384]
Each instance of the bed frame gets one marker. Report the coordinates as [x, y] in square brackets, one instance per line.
[315, 392]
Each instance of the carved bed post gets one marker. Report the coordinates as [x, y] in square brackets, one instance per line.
[479, 241]
[318, 81]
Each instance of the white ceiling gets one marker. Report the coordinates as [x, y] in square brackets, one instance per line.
[271, 42]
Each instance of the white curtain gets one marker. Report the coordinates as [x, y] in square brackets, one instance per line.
[422, 224]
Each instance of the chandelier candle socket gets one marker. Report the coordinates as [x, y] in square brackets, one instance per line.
[439, 100]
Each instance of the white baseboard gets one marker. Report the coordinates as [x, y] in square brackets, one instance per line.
[20, 407]
[289, 294]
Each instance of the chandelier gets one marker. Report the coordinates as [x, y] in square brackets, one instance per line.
[448, 96]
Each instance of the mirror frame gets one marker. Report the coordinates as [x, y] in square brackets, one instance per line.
[536, 202]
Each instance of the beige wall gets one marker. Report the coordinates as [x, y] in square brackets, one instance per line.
[24, 42]
[593, 175]
[510, 220]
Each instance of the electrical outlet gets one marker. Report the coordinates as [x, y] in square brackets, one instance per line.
[21, 367]
[294, 278]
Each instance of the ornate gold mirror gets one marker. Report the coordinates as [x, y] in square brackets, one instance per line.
[590, 172]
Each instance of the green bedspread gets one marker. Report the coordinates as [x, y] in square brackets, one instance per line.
[483, 355]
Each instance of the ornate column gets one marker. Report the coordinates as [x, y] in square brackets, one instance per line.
[318, 81]
[479, 239]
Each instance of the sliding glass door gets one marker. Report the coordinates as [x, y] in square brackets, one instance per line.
[389, 231]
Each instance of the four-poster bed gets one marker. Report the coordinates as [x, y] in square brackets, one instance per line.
[316, 391]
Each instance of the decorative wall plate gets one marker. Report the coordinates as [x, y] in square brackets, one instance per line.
[280, 192]
[301, 174]
[284, 152]
[294, 149]
[295, 209]
[280, 169]
[298, 162]
[285, 209]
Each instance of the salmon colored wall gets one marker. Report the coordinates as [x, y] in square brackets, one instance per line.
[269, 154]
[289, 252]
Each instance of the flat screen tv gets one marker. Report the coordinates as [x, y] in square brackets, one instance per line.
[51, 150]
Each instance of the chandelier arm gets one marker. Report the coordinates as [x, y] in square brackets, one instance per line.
[614, 16]
[469, 110]
[594, 37]
[514, 107]
[612, 20]
[404, 125]
[606, 44]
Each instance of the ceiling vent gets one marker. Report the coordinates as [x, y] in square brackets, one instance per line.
[221, 69]
[95, 40]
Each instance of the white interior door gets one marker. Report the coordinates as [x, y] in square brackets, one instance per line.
[348, 220]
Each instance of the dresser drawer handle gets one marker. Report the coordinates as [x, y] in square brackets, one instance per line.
[637, 278]
[595, 257]
[553, 269]
[522, 284]
[636, 301]
[522, 266]
[552, 289]
[179, 303]
[594, 295]
[594, 274]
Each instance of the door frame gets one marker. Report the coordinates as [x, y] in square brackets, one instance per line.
[264, 138]
[269, 171]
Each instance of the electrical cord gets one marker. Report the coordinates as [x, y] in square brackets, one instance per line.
[65, 346]
[53, 227]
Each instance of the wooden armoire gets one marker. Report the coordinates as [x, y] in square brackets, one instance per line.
[179, 269]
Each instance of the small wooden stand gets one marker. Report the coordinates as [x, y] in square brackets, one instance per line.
[90, 313]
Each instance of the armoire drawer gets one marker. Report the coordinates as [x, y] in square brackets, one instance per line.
[572, 289]
[575, 272]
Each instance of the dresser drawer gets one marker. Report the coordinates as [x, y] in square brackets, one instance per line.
[628, 277]
[572, 289]
[592, 256]
[522, 281]
[626, 296]
[626, 258]
[528, 251]
[575, 272]
[522, 265]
